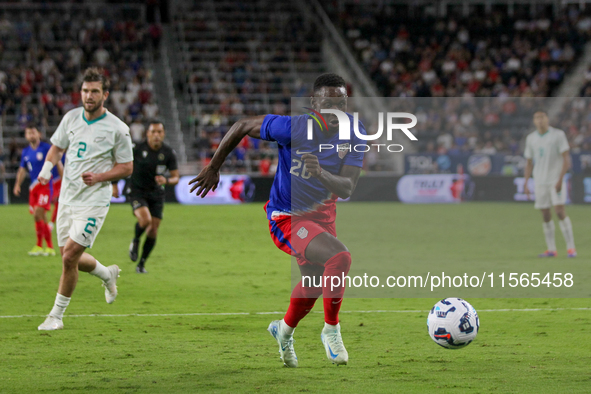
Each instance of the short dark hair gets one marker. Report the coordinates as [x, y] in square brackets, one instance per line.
[95, 74]
[31, 125]
[330, 80]
[156, 121]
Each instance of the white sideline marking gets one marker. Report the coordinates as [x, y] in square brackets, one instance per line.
[281, 313]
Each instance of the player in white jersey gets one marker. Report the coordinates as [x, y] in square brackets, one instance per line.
[547, 152]
[99, 151]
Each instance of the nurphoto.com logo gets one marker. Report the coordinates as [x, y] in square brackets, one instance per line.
[345, 129]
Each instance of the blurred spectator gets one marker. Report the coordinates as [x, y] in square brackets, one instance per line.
[150, 109]
[137, 129]
[40, 76]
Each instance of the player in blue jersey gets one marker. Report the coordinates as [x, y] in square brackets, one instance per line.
[301, 208]
[32, 160]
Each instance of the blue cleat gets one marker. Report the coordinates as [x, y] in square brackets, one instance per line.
[571, 253]
[549, 253]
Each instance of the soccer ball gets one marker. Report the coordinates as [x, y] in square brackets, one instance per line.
[453, 323]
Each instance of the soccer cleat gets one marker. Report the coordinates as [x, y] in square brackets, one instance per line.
[36, 251]
[48, 252]
[140, 269]
[548, 253]
[110, 284]
[333, 344]
[51, 323]
[571, 253]
[133, 247]
[286, 351]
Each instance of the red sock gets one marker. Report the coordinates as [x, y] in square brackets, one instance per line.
[300, 304]
[48, 240]
[54, 214]
[337, 265]
[40, 229]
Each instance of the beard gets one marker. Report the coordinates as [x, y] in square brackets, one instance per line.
[156, 144]
[93, 108]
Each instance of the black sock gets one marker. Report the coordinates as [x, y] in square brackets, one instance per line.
[138, 231]
[148, 246]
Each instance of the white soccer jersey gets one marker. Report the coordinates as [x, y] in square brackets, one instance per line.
[546, 151]
[93, 146]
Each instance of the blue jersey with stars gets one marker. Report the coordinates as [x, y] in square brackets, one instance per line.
[294, 190]
[32, 160]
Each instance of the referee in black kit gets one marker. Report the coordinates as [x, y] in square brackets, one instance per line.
[152, 159]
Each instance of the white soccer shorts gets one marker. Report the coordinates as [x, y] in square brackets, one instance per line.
[82, 224]
[546, 196]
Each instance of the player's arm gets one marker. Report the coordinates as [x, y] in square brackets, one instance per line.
[209, 177]
[343, 185]
[114, 189]
[53, 157]
[566, 163]
[20, 177]
[172, 180]
[119, 171]
[529, 165]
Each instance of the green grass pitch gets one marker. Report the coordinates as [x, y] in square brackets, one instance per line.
[167, 332]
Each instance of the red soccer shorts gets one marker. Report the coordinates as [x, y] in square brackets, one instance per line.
[293, 234]
[39, 196]
[57, 186]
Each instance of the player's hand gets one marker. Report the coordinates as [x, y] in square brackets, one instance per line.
[90, 178]
[115, 192]
[207, 180]
[17, 190]
[43, 181]
[526, 190]
[160, 180]
[558, 186]
[311, 164]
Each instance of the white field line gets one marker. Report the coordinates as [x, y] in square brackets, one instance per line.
[281, 313]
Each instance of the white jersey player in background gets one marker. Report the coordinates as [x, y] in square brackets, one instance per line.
[547, 152]
[98, 151]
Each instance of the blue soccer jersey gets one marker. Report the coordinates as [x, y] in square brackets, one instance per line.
[32, 160]
[294, 190]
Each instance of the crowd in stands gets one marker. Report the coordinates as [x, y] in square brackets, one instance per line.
[241, 61]
[490, 55]
[43, 55]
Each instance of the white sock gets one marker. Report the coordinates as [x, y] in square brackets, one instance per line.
[286, 329]
[567, 231]
[330, 326]
[101, 271]
[549, 234]
[61, 303]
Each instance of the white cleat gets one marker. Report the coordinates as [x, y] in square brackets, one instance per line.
[333, 344]
[286, 351]
[51, 323]
[110, 285]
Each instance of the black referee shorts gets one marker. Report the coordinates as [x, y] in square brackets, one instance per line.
[155, 205]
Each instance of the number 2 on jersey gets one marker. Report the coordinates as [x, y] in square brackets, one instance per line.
[294, 169]
[91, 223]
[81, 149]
